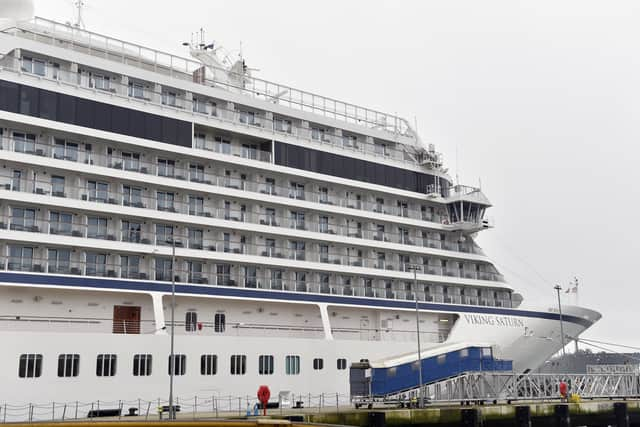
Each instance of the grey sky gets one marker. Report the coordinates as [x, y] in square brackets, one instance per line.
[536, 98]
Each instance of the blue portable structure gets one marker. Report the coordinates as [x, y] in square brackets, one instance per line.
[399, 374]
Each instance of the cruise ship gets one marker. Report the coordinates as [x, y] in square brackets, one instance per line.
[300, 233]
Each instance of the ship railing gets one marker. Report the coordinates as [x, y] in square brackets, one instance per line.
[60, 35]
[71, 150]
[97, 191]
[201, 406]
[24, 258]
[27, 323]
[193, 244]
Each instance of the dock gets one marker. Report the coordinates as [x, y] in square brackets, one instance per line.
[593, 413]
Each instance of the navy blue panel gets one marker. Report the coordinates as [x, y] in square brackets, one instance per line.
[29, 101]
[66, 109]
[136, 285]
[347, 167]
[9, 96]
[49, 105]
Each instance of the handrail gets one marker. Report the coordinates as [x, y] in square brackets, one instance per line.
[181, 67]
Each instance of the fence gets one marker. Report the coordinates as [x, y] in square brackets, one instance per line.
[190, 407]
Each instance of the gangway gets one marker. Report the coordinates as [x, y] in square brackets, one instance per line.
[489, 386]
[395, 380]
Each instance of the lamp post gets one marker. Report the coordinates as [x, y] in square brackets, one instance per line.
[172, 358]
[558, 289]
[415, 269]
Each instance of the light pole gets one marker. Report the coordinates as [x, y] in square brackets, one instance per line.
[558, 289]
[415, 269]
[172, 358]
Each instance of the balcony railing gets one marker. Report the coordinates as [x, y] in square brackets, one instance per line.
[208, 275]
[171, 202]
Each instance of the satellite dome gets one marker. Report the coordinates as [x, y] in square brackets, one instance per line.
[16, 10]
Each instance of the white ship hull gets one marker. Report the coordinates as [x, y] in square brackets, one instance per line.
[527, 337]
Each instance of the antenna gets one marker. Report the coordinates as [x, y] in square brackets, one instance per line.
[79, 4]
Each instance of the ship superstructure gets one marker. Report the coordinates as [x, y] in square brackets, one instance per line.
[298, 230]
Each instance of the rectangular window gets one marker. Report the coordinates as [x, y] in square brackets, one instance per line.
[23, 219]
[131, 231]
[166, 167]
[265, 365]
[131, 161]
[179, 364]
[318, 364]
[57, 186]
[30, 366]
[96, 264]
[169, 98]
[64, 150]
[292, 365]
[164, 234]
[132, 196]
[136, 90]
[59, 260]
[96, 227]
[195, 272]
[196, 173]
[219, 322]
[129, 266]
[106, 365]
[24, 143]
[341, 364]
[208, 364]
[68, 365]
[223, 145]
[238, 364]
[191, 321]
[98, 191]
[163, 269]
[165, 201]
[20, 258]
[196, 205]
[142, 365]
[101, 82]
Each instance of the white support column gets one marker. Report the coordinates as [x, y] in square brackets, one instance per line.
[158, 313]
[326, 323]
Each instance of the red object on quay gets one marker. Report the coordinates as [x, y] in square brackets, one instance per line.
[263, 396]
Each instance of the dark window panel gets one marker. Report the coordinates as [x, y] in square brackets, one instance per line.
[9, 96]
[48, 105]
[66, 109]
[85, 113]
[29, 101]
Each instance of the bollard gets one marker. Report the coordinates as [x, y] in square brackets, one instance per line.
[561, 416]
[621, 414]
[523, 416]
[470, 417]
[376, 419]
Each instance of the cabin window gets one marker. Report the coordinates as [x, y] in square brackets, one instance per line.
[292, 365]
[238, 364]
[30, 366]
[142, 365]
[341, 364]
[68, 365]
[441, 359]
[265, 365]
[318, 364]
[464, 353]
[190, 321]
[106, 365]
[179, 364]
[219, 322]
[208, 364]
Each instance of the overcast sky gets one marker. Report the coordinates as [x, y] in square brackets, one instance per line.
[536, 98]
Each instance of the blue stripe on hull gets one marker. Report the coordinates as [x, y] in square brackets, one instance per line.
[137, 285]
